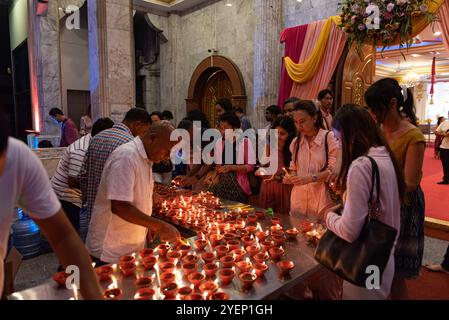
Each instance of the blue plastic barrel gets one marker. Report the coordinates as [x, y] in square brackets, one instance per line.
[26, 237]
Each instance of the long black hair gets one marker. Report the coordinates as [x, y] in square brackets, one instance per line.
[288, 125]
[359, 133]
[379, 95]
[198, 115]
[309, 107]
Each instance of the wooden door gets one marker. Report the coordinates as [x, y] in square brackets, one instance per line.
[357, 75]
[78, 102]
[217, 86]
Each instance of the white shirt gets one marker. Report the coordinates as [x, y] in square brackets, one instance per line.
[443, 128]
[24, 183]
[70, 166]
[127, 176]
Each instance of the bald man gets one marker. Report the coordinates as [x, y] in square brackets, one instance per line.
[122, 212]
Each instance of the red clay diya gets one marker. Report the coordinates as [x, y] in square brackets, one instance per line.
[112, 294]
[196, 278]
[185, 249]
[260, 268]
[227, 261]
[128, 268]
[252, 250]
[247, 279]
[251, 229]
[238, 254]
[244, 266]
[208, 287]
[233, 244]
[275, 221]
[261, 257]
[230, 236]
[219, 296]
[278, 241]
[226, 276]
[276, 253]
[184, 292]
[194, 296]
[261, 235]
[169, 290]
[190, 258]
[285, 266]
[125, 259]
[167, 266]
[221, 250]
[167, 277]
[252, 218]
[277, 227]
[144, 282]
[104, 273]
[144, 294]
[162, 249]
[149, 262]
[173, 256]
[306, 227]
[260, 215]
[248, 240]
[146, 252]
[208, 257]
[200, 244]
[267, 245]
[210, 269]
[216, 239]
[61, 278]
[189, 267]
[292, 233]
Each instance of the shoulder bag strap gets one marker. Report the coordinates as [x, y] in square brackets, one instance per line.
[326, 147]
[375, 178]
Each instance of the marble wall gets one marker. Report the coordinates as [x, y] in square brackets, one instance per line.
[298, 13]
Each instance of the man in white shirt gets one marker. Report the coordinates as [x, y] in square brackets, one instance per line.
[122, 212]
[65, 180]
[443, 130]
[25, 183]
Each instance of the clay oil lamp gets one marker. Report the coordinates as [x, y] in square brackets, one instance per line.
[221, 250]
[244, 265]
[233, 244]
[146, 252]
[260, 215]
[144, 282]
[216, 239]
[244, 213]
[230, 236]
[306, 226]
[210, 269]
[167, 266]
[208, 257]
[227, 261]
[279, 241]
[208, 288]
[277, 233]
[144, 294]
[240, 223]
[112, 294]
[284, 267]
[104, 273]
[266, 244]
[247, 279]
[149, 262]
[261, 235]
[125, 259]
[238, 254]
[251, 218]
[194, 296]
[128, 268]
[226, 276]
[214, 231]
[261, 257]
[169, 290]
[244, 233]
[292, 233]
[184, 292]
[219, 296]
[173, 255]
[251, 229]
[191, 258]
[185, 249]
[200, 244]
[196, 278]
[248, 240]
[162, 249]
[167, 277]
[189, 267]
[61, 277]
[260, 268]
[252, 250]
[275, 221]
[276, 253]
[276, 227]
[313, 236]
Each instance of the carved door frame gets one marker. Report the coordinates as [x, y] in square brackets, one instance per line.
[202, 73]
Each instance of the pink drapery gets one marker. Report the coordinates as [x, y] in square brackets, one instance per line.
[334, 49]
[294, 42]
[443, 17]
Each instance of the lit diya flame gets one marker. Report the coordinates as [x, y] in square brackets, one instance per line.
[113, 285]
[93, 264]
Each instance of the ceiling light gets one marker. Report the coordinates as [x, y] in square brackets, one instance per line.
[411, 79]
[299, 1]
[228, 4]
[415, 55]
[437, 33]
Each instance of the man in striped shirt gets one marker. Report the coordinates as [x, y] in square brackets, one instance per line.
[65, 180]
[136, 123]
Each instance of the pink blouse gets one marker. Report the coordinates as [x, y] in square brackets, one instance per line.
[349, 225]
[313, 198]
[245, 155]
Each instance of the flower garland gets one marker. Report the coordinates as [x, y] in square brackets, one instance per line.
[382, 22]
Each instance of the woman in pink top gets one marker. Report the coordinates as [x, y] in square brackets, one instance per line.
[360, 137]
[311, 165]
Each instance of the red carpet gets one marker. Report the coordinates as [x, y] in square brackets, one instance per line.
[437, 196]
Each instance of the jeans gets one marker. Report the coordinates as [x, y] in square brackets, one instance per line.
[73, 214]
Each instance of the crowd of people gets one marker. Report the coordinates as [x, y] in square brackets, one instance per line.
[324, 171]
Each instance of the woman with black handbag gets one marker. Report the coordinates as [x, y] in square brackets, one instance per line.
[374, 188]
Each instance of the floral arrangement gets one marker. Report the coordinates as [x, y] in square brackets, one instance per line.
[382, 22]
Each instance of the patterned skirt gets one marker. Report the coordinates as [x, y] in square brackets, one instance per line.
[410, 247]
[228, 188]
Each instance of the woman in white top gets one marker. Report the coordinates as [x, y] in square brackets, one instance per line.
[86, 122]
[360, 137]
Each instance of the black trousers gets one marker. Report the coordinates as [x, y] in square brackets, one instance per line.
[73, 213]
[444, 156]
[445, 263]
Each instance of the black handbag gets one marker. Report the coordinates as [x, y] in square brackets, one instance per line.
[350, 261]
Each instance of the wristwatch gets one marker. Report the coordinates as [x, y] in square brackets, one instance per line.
[314, 178]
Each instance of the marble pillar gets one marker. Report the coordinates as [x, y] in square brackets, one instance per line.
[44, 64]
[111, 54]
[267, 53]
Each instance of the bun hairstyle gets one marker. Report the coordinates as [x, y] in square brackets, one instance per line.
[379, 96]
[310, 108]
[288, 125]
